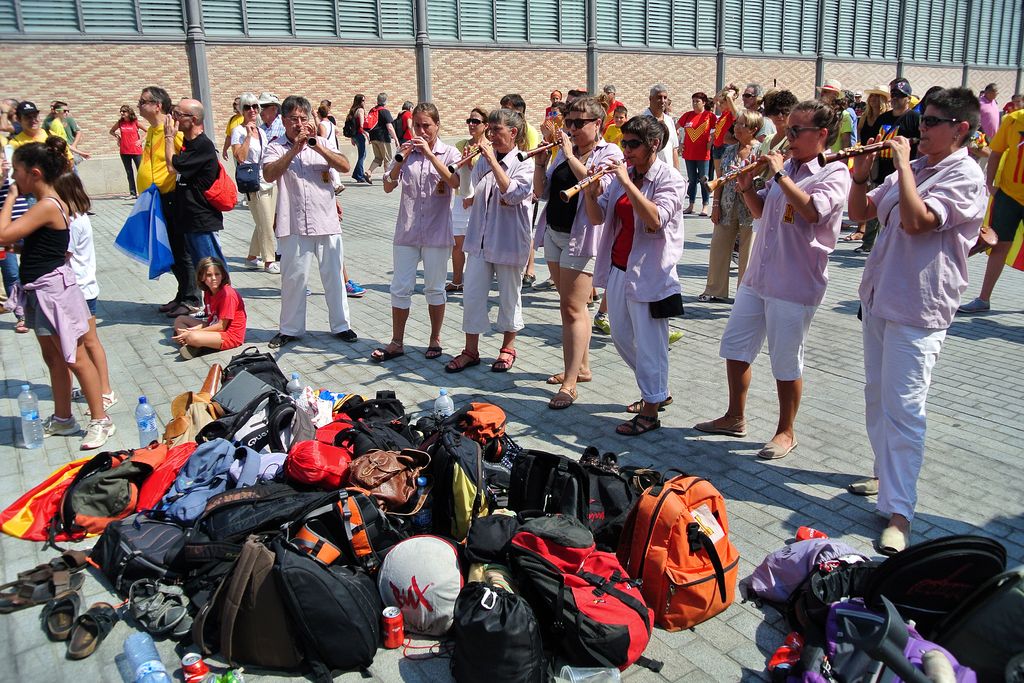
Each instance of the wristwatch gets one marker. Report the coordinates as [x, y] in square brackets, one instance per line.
[779, 175]
[758, 183]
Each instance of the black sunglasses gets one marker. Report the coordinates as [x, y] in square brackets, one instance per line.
[631, 144]
[794, 131]
[578, 123]
[250, 107]
[932, 121]
[474, 122]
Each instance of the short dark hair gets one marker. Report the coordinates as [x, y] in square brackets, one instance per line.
[161, 96]
[960, 104]
[293, 102]
[779, 102]
[621, 108]
[50, 157]
[514, 101]
[700, 95]
[650, 131]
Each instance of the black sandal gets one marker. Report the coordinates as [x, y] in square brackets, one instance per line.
[59, 615]
[90, 629]
[640, 424]
[635, 407]
[382, 354]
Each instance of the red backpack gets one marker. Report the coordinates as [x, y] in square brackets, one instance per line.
[370, 120]
[223, 194]
[593, 613]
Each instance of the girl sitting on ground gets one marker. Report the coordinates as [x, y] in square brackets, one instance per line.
[224, 327]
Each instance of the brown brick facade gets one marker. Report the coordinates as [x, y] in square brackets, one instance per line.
[1003, 78]
[633, 75]
[859, 76]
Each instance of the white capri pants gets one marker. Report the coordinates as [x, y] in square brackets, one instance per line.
[406, 260]
[642, 341]
[898, 362]
[476, 287]
[296, 253]
[783, 323]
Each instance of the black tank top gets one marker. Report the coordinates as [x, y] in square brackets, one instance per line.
[45, 250]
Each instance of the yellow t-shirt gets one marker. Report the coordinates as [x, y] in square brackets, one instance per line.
[234, 122]
[23, 138]
[533, 137]
[57, 128]
[153, 168]
[613, 134]
[1009, 141]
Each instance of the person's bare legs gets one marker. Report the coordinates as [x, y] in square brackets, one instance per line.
[98, 355]
[60, 381]
[574, 289]
[738, 374]
[436, 312]
[458, 259]
[994, 268]
[789, 403]
[206, 339]
[183, 322]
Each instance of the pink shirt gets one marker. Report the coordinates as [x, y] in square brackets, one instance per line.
[651, 270]
[789, 260]
[918, 279]
[585, 236]
[305, 192]
[499, 224]
[424, 210]
[989, 116]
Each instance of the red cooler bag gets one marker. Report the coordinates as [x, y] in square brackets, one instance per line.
[317, 464]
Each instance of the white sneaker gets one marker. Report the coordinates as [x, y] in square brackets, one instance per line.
[254, 263]
[54, 427]
[97, 433]
[274, 268]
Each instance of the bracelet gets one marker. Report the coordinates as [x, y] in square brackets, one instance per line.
[859, 182]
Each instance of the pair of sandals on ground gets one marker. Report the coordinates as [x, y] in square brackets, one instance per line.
[466, 358]
[57, 584]
[635, 426]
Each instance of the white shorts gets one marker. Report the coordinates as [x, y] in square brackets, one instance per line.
[460, 217]
[783, 323]
[556, 250]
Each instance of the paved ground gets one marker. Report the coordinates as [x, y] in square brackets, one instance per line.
[972, 479]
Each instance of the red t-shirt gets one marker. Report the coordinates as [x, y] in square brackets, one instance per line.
[130, 143]
[623, 243]
[406, 117]
[227, 304]
[722, 126]
[696, 134]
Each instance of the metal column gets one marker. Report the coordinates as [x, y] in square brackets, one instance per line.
[967, 41]
[592, 86]
[422, 52]
[819, 60]
[720, 42]
[199, 73]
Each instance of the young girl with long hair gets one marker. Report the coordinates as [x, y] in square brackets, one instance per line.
[225, 323]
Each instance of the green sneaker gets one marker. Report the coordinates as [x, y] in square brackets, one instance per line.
[601, 325]
[674, 336]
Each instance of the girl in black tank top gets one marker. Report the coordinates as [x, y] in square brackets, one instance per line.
[45, 231]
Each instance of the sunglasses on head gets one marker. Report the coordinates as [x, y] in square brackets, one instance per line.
[578, 123]
[474, 122]
[631, 144]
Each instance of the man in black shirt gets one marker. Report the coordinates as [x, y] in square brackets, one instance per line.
[197, 167]
[382, 135]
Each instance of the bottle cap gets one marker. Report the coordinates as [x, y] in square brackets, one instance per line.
[421, 481]
[25, 387]
[444, 392]
[142, 399]
[295, 375]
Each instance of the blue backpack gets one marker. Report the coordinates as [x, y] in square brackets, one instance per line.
[204, 475]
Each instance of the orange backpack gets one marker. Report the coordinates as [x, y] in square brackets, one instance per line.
[676, 541]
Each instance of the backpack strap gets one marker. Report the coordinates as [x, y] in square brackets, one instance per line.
[697, 540]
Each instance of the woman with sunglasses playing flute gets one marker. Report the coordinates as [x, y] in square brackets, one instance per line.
[801, 210]
[931, 210]
[569, 236]
[641, 243]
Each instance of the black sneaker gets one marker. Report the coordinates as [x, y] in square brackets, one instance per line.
[280, 340]
[347, 336]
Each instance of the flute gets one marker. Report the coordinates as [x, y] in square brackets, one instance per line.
[568, 194]
[733, 175]
[539, 149]
[857, 150]
[452, 168]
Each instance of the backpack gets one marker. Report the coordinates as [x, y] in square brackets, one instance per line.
[30, 516]
[676, 540]
[363, 436]
[270, 422]
[828, 582]
[371, 118]
[592, 613]
[157, 484]
[986, 631]
[251, 467]
[191, 411]
[489, 538]
[485, 424]
[384, 407]
[348, 129]
[784, 570]
[611, 497]
[497, 638]
[422, 578]
[464, 487]
[389, 476]
[202, 477]
[312, 463]
[400, 127]
[335, 611]
[929, 580]
[139, 547]
[261, 365]
[222, 195]
[550, 483]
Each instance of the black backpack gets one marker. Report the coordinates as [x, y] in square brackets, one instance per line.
[497, 638]
[458, 467]
[807, 607]
[261, 365]
[138, 547]
[375, 434]
[348, 129]
[550, 483]
[335, 611]
[489, 538]
[384, 407]
[283, 425]
[611, 497]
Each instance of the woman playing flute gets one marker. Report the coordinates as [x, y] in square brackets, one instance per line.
[801, 210]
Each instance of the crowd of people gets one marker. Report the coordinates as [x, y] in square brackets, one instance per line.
[600, 192]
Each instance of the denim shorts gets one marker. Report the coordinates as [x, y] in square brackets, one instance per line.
[35, 319]
[91, 303]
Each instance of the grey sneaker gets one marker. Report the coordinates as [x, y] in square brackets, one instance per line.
[546, 284]
[54, 427]
[97, 433]
[979, 305]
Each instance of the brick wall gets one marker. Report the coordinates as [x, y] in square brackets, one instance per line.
[795, 75]
[923, 77]
[634, 74]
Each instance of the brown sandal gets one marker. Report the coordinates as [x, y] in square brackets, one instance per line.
[559, 378]
[504, 365]
[641, 424]
[559, 402]
[470, 359]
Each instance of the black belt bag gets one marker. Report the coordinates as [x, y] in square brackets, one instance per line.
[247, 178]
[669, 307]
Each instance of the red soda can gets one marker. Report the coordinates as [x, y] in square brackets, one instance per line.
[806, 532]
[394, 628]
[193, 668]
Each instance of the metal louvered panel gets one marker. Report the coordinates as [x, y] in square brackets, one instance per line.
[773, 20]
[684, 24]
[49, 16]
[659, 22]
[733, 25]
[633, 22]
[268, 18]
[574, 21]
[882, 23]
[397, 19]
[8, 18]
[223, 17]
[608, 22]
[357, 18]
[477, 19]
[543, 21]
[109, 16]
[314, 18]
[707, 24]
[162, 16]
[443, 18]
[510, 21]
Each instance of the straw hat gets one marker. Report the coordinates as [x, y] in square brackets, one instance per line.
[877, 90]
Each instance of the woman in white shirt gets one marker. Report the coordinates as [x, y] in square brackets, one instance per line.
[247, 144]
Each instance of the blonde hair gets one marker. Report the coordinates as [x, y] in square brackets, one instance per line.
[753, 120]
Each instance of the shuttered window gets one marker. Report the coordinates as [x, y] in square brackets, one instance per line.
[608, 21]
[800, 27]
[443, 18]
[314, 18]
[574, 21]
[659, 23]
[357, 18]
[477, 19]
[883, 19]
[268, 18]
[396, 19]
[772, 22]
[707, 24]
[109, 16]
[49, 16]
[732, 38]
[162, 16]
[633, 22]
[511, 21]
[543, 21]
[8, 19]
[223, 17]
[684, 24]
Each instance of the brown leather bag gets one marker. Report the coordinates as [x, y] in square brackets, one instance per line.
[987, 238]
[193, 410]
[389, 476]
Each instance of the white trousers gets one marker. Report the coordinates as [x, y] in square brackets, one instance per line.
[476, 288]
[642, 341]
[898, 362]
[296, 253]
[755, 318]
[405, 261]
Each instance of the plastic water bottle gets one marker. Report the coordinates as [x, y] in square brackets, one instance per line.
[31, 425]
[423, 521]
[145, 418]
[295, 387]
[443, 405]
[144, 660]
